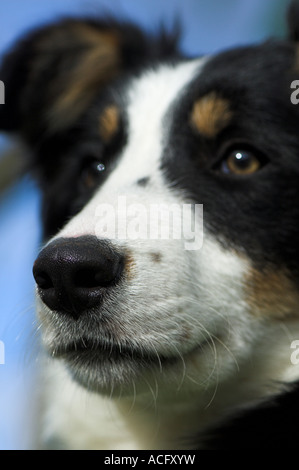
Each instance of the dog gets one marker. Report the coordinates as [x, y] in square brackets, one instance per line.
[153, 342]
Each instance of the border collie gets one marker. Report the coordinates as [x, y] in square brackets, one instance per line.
[152, 341]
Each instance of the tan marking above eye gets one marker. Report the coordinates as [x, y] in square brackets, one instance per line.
[210, 115]
[109, 123]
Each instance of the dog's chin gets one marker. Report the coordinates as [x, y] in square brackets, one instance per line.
[110, 369]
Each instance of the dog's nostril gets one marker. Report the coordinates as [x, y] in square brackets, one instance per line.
[43, 280]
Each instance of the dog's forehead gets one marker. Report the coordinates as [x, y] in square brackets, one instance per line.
[158, 87]
[154, 94]
[147, 102]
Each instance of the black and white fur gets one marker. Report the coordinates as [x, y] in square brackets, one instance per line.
[192, 348]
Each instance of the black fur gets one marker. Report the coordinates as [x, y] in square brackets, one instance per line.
[272, 425]
[256, 83]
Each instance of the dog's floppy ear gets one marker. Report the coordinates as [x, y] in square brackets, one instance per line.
[52, 74]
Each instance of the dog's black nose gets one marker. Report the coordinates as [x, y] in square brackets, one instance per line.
[72, 274]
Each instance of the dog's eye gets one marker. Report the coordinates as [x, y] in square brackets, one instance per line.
[240, 162]
[91, 174]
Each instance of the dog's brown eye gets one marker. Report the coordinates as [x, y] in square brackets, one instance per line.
[240, 162]
[91, 174]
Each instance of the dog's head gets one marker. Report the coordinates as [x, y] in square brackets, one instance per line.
[170, 200]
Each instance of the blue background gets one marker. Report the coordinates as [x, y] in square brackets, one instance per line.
[209, 26]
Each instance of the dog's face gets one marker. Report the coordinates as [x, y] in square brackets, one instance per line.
[119, 130]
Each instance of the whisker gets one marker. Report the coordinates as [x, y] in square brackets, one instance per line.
[154, 395]
[134, 398]
[214, 394]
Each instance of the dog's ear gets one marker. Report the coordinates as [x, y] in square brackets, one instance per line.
[51, 75]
